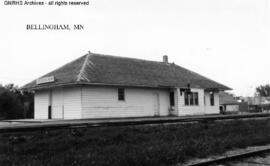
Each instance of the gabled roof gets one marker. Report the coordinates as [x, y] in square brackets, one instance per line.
[98, 69]
[227, 99]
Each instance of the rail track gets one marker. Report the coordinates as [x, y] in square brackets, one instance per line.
[68, 124]
[231, 158]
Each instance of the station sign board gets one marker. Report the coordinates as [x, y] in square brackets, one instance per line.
[45, 80]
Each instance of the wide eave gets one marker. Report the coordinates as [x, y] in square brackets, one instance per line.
[105, 70]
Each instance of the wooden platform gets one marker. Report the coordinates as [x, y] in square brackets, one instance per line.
[33, 124]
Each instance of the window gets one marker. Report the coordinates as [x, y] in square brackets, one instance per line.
[121, 94]
[196, 99]
[186, 99]
[172, 98]
[212, 99]
[192, 98]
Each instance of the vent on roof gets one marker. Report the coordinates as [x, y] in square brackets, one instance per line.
[165, 58]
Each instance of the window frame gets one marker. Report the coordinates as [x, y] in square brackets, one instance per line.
[186, 99]
[191, 99]
[196, 98]
[212, 99]
[121, 94]
[172, 99]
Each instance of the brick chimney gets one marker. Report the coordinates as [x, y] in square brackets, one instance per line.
[165, 58]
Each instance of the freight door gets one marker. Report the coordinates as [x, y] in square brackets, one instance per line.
[57, 112]
[57, 104]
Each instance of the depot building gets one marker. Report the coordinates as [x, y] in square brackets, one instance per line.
[104, 86]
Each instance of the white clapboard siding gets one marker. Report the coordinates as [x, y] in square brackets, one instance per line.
[211, 109]
[41, 104]
[72, 103]
[191, 110]
[99, 102]
[102, 102]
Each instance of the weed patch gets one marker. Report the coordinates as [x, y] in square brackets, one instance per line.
[131, 145]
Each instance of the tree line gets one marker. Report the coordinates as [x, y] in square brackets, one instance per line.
[15, 103]
[263, 90]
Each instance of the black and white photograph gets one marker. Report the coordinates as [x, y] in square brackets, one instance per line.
[134, 83]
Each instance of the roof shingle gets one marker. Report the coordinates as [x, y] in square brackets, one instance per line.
[112, 70]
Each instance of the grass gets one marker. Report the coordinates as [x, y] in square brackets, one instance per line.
[136, 145]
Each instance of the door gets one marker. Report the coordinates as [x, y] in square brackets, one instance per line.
[156, 104]
[41, 104]
[57, 112]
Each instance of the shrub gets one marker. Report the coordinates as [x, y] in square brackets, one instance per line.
[14, 103]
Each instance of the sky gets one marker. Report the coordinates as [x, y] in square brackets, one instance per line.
[224, 40]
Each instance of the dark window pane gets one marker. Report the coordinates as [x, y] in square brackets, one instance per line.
[121, 94]
[186, 99]
[212, 99]
[172, 98]
[196, 98]
[191, 99]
